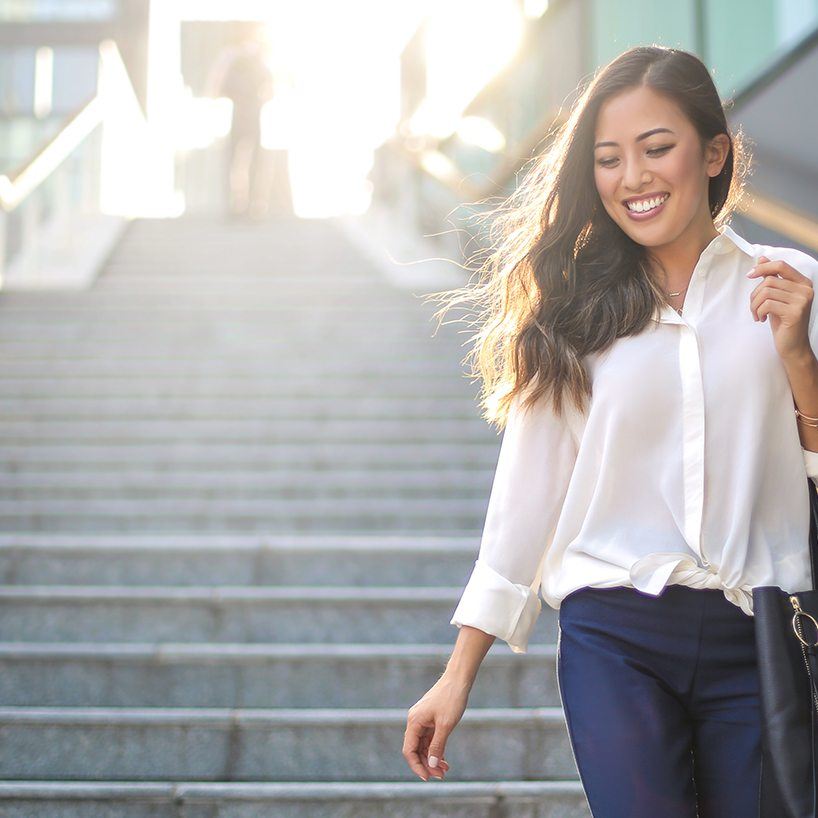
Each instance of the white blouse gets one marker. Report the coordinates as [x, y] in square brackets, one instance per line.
[687, 467]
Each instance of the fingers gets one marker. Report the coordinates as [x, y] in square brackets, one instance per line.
[779, 268]
[416, 744]
[411, 744]
[442, 765]
[437, 747]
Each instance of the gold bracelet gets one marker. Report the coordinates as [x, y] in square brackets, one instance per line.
[801, 414]
[804, 423]
[805, 419]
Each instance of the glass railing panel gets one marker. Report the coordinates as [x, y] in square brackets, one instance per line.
[22, 136]
[17, 80]
[75, 76]
[71, 191]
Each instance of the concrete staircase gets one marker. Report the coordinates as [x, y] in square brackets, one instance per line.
[242, 485]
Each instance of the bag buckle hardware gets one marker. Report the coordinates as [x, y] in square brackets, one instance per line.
[796, 624]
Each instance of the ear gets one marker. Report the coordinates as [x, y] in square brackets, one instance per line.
[716, 152]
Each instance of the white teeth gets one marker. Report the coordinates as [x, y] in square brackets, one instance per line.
[647, 204]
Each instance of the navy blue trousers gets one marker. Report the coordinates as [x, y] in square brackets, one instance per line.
[661, 699]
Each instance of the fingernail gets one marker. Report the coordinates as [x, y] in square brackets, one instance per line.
[433, 761]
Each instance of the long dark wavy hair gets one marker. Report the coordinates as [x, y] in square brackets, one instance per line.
[560, 278]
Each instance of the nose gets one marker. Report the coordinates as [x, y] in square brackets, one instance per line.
[634, 176]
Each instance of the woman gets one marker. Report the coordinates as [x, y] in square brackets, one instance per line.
[647, 507]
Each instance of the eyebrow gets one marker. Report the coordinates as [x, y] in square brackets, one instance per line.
[639, 138]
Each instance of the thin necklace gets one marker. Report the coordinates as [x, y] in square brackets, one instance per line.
[673, 295]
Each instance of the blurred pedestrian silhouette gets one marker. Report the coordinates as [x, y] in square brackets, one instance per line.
[241, 74]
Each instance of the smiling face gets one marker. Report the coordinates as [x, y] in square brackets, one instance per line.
[657, 161]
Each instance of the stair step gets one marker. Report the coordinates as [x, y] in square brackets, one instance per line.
[229, 407]
[242, 389]
[274, 516]
[250, 367]
[281, 454]
[233, 744]
[244, 430]
[323, 386]
[53, 613]
[295, 799]
[264, 507]
[88, 674]
[236, 484]
[46, 559]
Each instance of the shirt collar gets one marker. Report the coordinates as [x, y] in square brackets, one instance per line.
[722, 244]
[728, 239]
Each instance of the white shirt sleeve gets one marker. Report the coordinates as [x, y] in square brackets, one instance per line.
[535, 463]
[811, 463]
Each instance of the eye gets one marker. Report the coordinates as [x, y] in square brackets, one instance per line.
[606, 163]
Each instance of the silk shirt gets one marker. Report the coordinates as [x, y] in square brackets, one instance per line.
[686, 468]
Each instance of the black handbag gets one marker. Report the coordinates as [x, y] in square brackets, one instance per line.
[786, 631]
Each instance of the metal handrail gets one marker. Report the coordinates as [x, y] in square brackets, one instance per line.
[432, 161]
[781, 217]
[15, 186]
[63, 207]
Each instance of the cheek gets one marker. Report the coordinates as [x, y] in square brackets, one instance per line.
[604, 187]
[680, 169]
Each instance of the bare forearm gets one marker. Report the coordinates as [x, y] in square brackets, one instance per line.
[803, 377]
[470, 648]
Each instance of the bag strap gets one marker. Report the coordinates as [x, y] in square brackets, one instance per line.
[813, 531]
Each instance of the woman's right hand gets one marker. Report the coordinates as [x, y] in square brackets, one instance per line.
[430, 721]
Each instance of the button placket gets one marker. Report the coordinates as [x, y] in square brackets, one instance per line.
[692, 437]
[693, 431]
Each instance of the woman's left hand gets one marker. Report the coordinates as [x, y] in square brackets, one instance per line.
[786, 296]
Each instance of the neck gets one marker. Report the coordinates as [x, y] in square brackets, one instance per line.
[673, 263]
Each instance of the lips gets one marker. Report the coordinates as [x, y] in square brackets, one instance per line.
[647, 215]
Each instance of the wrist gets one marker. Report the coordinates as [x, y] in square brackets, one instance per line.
[458, 678]
[802, 362]
[461, 670]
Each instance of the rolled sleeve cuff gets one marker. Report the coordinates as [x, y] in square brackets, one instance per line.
[502, 608]
[811, 462]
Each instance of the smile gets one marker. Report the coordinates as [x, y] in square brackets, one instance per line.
[646, 209]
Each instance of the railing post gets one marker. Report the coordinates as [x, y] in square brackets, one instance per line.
[3, 229]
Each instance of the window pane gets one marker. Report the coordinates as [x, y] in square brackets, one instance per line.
[44, 10]
[620, 24]
[741, 38]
